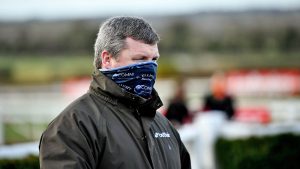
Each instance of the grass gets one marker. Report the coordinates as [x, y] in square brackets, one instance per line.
[37, 69]
[28, 69]
[22, 132]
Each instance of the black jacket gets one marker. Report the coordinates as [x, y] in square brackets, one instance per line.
[225, 105]
[108, 128]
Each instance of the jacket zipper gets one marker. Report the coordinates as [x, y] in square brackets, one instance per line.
[144, 137]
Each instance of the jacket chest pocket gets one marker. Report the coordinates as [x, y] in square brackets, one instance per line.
[123, 153]
[166, 151]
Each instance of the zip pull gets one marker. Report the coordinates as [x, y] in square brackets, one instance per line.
[138, 113]
[144, 137]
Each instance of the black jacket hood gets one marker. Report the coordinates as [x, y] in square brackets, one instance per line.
[103, 86]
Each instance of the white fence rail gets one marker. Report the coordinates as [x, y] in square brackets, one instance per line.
[200, 136]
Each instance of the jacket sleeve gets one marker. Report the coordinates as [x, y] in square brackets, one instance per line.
[184, 154]
[185, 157]
[70, 142]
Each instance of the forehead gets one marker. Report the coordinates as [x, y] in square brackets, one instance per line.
[141, 47]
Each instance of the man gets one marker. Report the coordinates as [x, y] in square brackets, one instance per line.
[177, 111]
[115, 124]
[219, 99]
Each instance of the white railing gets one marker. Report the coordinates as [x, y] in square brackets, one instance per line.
[19, 150]
[201, 135]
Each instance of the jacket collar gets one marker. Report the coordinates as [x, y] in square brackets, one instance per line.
[106, 88]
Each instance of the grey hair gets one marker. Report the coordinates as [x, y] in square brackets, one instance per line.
[114, 31]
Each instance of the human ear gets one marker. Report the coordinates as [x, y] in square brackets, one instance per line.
[106, 59]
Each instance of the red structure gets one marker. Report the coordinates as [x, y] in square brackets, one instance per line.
[264, 82]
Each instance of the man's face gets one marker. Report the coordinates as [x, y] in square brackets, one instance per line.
[134, 52]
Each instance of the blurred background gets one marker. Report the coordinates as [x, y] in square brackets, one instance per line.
[229, 73]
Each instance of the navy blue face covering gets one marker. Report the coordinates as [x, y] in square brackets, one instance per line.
[138, 78]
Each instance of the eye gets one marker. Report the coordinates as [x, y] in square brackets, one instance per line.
[140, 59]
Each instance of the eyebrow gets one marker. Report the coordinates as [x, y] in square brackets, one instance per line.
[143, 55]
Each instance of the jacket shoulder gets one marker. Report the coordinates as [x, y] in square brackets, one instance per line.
[84, 113]
[161, 118]
[163, 122]
[86, 105]
[77, 134]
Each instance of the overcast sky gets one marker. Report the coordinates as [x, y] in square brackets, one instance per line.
[67, 9]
